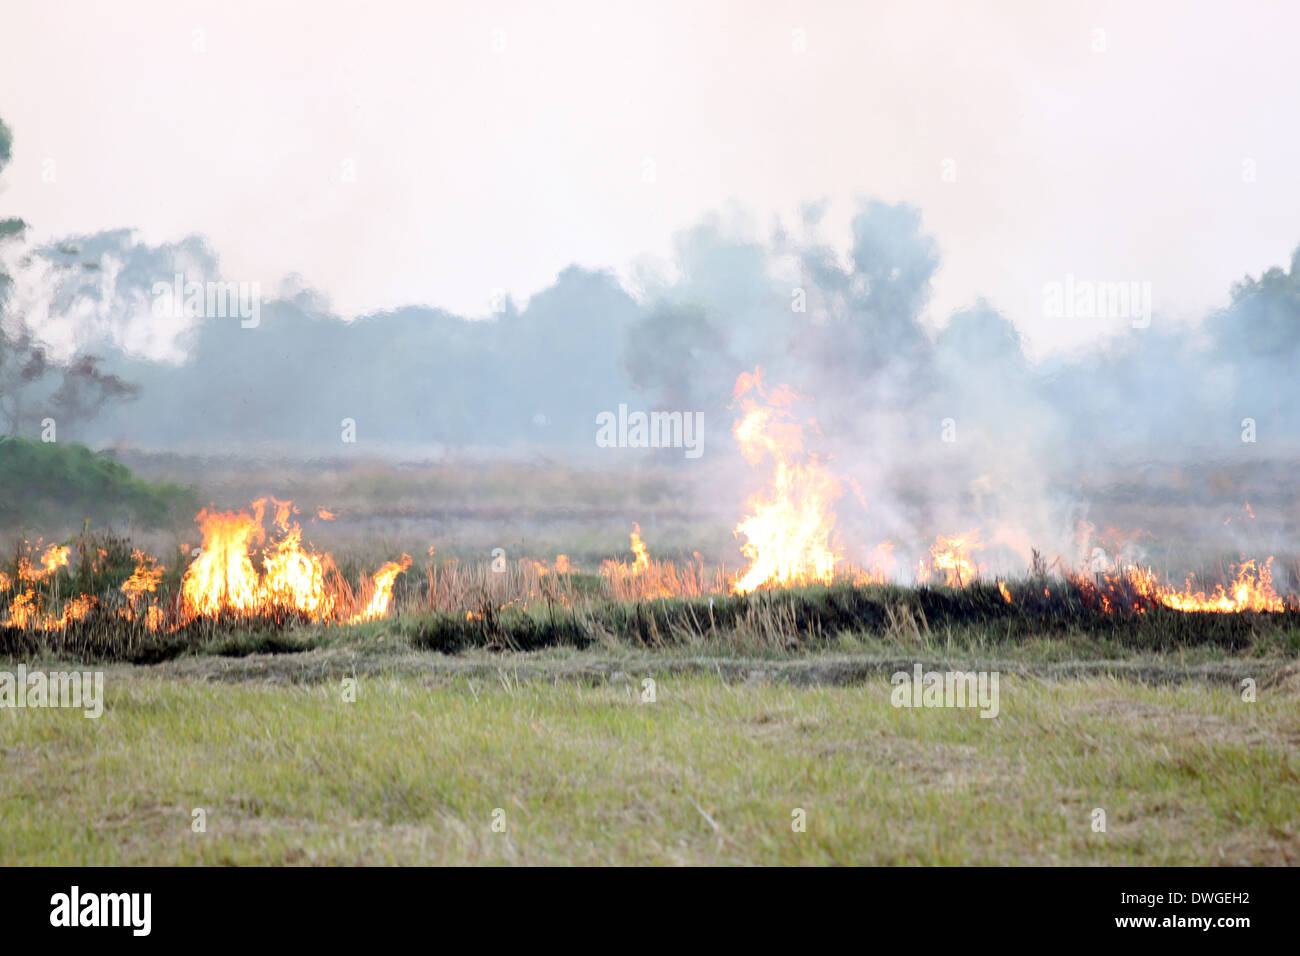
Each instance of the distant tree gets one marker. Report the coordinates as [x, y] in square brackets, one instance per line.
[679, 355]
[1263, 319]
[74, 390]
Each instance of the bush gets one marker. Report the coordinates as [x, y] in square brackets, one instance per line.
[48, 483]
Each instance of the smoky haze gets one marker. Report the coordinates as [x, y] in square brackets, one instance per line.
[930, 431]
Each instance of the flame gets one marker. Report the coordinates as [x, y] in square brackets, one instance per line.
[144, 579]
[293, 578]
[1006, 594]
[1137, 589]
[224, 580]
[55, 557]
[1251, 590]
[381, 590]
[562, 565]
[951, 555]
[283, 511]
[23, 610]
[647, 578]
[788, 532]
[77, 609]
[139, 587]
[642, 561]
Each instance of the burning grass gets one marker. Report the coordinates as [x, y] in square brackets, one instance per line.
[256, 575]
[239, 575]
[456, 607]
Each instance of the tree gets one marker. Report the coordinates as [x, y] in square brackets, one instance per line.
[73, 390]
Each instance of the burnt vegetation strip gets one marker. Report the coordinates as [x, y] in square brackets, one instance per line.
[101, 638]
[813, 617]
[817, 615]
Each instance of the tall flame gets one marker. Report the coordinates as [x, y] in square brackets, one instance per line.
[642, 561]
[222, 578]
[381, 590]
[789, 530]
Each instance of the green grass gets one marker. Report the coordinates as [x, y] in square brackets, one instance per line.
[586, 773]
[765, 704]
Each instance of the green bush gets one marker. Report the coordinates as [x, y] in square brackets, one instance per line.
[52, 483]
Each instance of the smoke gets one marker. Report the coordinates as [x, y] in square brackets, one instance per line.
[1154, 438]
[935, 429]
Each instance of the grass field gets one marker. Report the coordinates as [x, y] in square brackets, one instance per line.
[521, 692]
[412, 770]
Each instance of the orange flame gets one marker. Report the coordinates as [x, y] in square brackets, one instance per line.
[647, 578]
[224, 580]
[639, 549]
[1251, 590]
[25, 608]
[296, 579]
[1137, 589]
[381, 590]
[788, 533]
[144, 578]
[54, 558]
[951, 556]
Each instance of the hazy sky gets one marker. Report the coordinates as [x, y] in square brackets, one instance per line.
[494, 143]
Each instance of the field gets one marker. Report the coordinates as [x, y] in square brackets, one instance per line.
[412, 771]
[503, 716]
